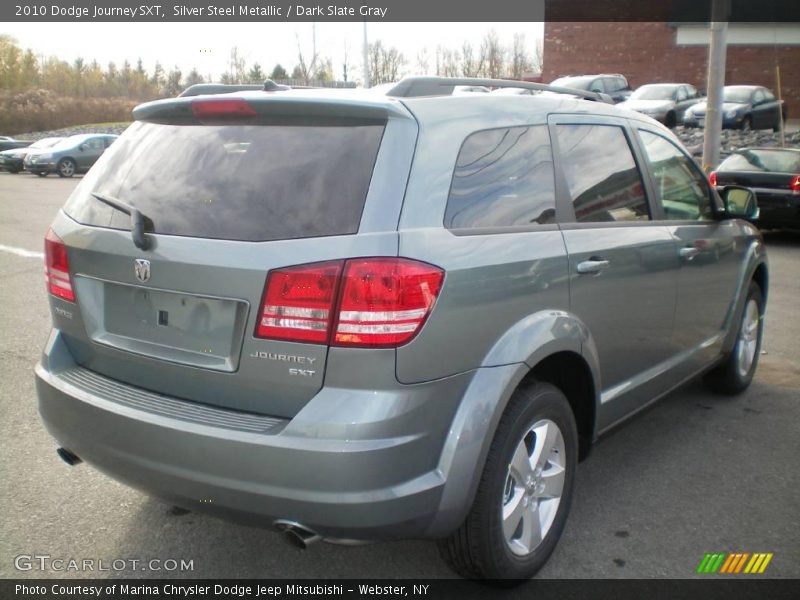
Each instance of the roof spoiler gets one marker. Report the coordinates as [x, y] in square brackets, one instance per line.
[228, 88]
[411, 87]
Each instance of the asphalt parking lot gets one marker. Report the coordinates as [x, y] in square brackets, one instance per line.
[697, 473]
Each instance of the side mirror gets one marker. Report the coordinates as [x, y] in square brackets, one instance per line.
[740, 202]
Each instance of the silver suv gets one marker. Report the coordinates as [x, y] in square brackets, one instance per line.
[357, 317]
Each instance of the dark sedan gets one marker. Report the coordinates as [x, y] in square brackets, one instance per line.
[8, 143]
[774, 174]
[743, 107]
[12, 160]
[665, 102]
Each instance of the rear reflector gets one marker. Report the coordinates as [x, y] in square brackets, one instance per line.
[56, 267]
[367, 302]
[713, 178]
[222, 109]
[796, 184]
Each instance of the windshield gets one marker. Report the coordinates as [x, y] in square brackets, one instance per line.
[579, 83]
[653, 92]
[70, 142]
[779, 161]
[738, 95]
[292, 177]
[45, 143]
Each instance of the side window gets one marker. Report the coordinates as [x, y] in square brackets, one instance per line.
[613, 84]
[758, 96]
[109, 141]
[94, 144]
[682, 189]
[597, 85]
[769, 96]
[603, 179]
[503, 178]
[692, 91]
[681, 94]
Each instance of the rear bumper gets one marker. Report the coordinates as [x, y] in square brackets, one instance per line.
[778, 208]
[353, 464]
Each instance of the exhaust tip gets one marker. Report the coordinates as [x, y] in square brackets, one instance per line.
[296, 534]
[68, 457]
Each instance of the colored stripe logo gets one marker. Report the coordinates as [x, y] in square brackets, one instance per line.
[732, 563]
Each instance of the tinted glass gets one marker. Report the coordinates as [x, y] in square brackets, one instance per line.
[239, 182]
[758, 96]
[682, 189]
[503, 178]
[602, 176]
[740, 95]
[653, 92]
[781, 161]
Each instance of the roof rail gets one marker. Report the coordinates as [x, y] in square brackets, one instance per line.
[228, 88]
[410, 87]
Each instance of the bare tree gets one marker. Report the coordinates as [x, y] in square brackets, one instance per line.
[493, 55]
[450, 63]
[384, 63]
[423, 61]
[471, 66]
[537, 61]
[520, 59]
[306, 65]
[236, 66]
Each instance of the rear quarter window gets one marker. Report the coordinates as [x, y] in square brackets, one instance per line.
[503, 178]
[290, 178]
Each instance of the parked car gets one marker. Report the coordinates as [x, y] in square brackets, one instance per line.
[615, 85]
[774, 174]
[664, 102]
[363, 317]
[9, 143]
[514, 91]
[12, 160]
[75, 154]
[743, 107]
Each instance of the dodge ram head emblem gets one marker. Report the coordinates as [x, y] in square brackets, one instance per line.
[142, 269]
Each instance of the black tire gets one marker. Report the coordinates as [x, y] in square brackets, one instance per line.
[729, 377]
[478, 549]
[671, 120]
[66, 167]
[14, 170]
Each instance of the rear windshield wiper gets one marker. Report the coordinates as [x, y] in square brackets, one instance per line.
[138, 220]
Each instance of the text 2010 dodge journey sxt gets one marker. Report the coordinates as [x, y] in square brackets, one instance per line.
[363, 317]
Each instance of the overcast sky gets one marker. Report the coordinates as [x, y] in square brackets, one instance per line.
[207, 46]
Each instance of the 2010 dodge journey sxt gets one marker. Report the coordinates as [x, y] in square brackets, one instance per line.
[367, 317]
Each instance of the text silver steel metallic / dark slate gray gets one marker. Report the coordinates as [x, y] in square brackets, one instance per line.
[364, 318]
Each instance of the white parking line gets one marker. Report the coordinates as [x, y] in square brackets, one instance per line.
[21, 252]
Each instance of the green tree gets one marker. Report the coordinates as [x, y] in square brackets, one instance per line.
[279, 73]
[255, 74]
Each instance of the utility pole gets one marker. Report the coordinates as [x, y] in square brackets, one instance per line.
[714, 84]
[366, 57]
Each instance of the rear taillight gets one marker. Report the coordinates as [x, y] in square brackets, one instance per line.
[365, 302]
[796, 184]
[56, 267]
[385, 301]
[222, 109]
[713, 178]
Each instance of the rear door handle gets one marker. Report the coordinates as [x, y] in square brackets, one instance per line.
[689, 252]
[593, 265]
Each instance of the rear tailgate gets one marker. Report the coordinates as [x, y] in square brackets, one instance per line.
[229, 200]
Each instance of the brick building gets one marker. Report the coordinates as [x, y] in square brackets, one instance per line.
[648, 52]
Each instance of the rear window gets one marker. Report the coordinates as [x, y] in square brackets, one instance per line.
[292, 178]
[780, 161]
